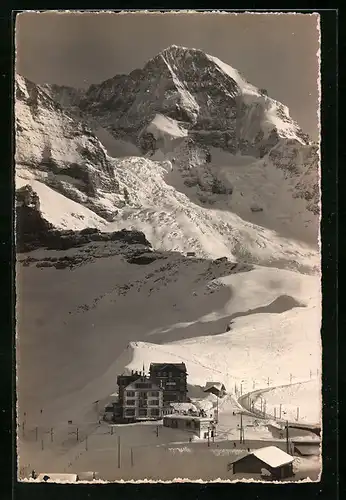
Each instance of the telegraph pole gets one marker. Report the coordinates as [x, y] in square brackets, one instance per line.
[280, 410]
[287, 442]
[131, 457]
[241, 428]
[51, 434]
[297, 413]
[118, 452]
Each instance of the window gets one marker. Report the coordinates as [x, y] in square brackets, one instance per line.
[164, 374]
[154, 402]
[142, 412]
[130, 412]
[155, 412]
[130, 394]
[188, 424]
[143, 385]
[170, 374]
[130, 402]
[154, 394]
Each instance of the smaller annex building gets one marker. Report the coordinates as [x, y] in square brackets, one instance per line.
[57, 478]
[270, 458]
[198, 426]
[216, 388]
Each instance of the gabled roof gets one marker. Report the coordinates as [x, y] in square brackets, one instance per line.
[145, 380]
[273, 456]
[214, 385]
[161, 366]
[270, 455]
[307, 451]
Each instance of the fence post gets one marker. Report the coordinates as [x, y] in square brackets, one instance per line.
[118, 452]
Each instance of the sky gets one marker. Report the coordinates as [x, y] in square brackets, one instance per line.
[275, 52]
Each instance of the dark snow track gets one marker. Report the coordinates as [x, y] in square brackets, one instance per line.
[280, 305]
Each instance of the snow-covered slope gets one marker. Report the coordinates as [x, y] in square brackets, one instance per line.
[59, 210]
[172, 221]
[104, 313]
[78, 309]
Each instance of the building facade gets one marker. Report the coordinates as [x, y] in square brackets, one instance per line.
[172, 377]
[198, 426]
[142, 399]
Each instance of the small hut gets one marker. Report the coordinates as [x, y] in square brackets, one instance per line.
[270, 458]
[216, 388]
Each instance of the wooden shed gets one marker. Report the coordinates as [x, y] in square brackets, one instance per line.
[270, 458]
[216, 388]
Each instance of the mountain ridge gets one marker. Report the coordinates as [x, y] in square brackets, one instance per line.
[59, 151]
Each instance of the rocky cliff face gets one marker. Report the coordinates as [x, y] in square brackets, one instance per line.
[209, 98]
[59, 150]
[186, 101]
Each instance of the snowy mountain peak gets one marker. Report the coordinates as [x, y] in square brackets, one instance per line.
[225, 160]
